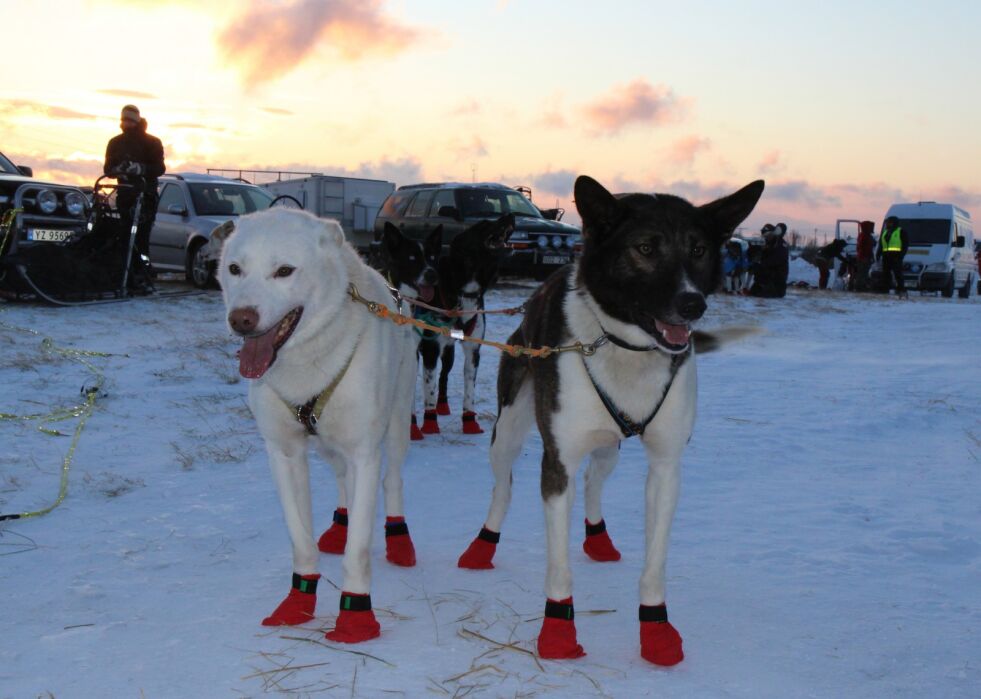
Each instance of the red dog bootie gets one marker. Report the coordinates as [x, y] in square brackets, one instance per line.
[557, 639]
[430, 424]
[415, 434]
[299, 604]
[598, 545]
[443, 407]
[660, 642]
[335, 539]
[398, 544]
[470, 424]
[356, 622]
[480, 554]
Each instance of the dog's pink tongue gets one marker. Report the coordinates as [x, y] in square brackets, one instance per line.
[675, 334]
[426, 293]
[256, 355]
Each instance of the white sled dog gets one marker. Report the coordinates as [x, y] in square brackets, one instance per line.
[648, 264]
[322, 366]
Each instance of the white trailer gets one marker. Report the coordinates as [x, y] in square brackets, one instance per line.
[354, 202]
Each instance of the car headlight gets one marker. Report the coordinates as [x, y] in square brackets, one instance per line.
[518, 235]
[47, 201]
[543, 241]
[570, 241]
[556, 241]
[74, 203]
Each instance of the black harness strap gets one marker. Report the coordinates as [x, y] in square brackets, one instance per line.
[355, 603]
[558, 610]
[658, 614]
[627, 426]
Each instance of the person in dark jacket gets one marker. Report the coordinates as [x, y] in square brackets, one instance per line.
[137, 159]
[825, 259]
[864, 254]
[770, 273]
[893, 244]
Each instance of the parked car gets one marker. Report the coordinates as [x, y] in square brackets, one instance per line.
[35, 213]
[190, 207]
[538, 245]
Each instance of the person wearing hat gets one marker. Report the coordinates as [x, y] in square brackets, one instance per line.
[893, 244]
[864, 253]
[770, 273]
[137, 159]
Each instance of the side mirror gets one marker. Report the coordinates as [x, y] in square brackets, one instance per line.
[449, 212]
[177, 210]
[25, 170]
[959, 242]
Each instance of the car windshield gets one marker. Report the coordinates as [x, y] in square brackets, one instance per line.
[7, 166]
[483, 203]
[225, 199]
[926, 231]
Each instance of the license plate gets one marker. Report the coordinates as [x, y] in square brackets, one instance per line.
[555, 260]
[48, 235]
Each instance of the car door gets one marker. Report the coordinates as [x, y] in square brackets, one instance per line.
[416, 224]
[168, 237]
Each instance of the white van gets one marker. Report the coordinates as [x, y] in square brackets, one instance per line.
[941, 247]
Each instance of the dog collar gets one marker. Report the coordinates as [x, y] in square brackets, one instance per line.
[619, 342]
[309, 413]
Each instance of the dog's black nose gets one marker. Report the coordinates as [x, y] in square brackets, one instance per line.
[690, 305]
[429, 276]
[244, 320]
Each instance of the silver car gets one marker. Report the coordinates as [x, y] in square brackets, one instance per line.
[190, 207]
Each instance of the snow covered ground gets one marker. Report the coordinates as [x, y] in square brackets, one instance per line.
[827, 542]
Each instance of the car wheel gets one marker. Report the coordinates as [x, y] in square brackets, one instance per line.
[199, 271]
[948, 291]
[965, 291]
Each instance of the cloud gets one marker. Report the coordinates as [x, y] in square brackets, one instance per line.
[684, 150]
[292, 30]
[637, 103]
[558, 182]
[466, 108]
[191, 125]
[128, 94]
[12, 107]
[771, 162]
[278, 111]
[475, 148]
[74, 170]
[802, 192]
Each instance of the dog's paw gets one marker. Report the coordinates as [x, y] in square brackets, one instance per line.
[333, 540]
[398, 544]
[598, 545]
[355, 622]
[415, 434]
[430, 424]
[557, 639]
[299, 606]
[660, 642]
[470, 424]
[443, 408]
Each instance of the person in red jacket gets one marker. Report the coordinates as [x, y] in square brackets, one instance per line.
[864, 255]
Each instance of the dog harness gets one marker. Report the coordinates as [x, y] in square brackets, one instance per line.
[628, 427]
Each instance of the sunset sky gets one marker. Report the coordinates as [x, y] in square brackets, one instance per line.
[842, 107]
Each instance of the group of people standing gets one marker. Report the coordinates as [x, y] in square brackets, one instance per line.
[892, 247]
[768, 266]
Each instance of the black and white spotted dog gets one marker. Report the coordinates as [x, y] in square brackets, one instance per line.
[465, 275]
[648, 264]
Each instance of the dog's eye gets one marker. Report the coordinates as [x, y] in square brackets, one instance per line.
[698, 251]
[645, 249]
[234, 269]
[284, 271]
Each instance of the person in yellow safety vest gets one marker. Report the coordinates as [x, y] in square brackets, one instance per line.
[893, 244]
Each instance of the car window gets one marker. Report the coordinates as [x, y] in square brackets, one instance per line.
[444, 197]
[221, 199]
[484, 203]
[170, 195]
[420, 205]
[395, 204]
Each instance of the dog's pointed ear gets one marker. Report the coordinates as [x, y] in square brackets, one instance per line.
[391, 238]
[223, 232]
[728, 212]
[332, 233]
[596, 206]
[434, 242]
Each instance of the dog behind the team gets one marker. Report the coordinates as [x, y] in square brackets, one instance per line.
[647, 266]
[465, 275]
[322, 367]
